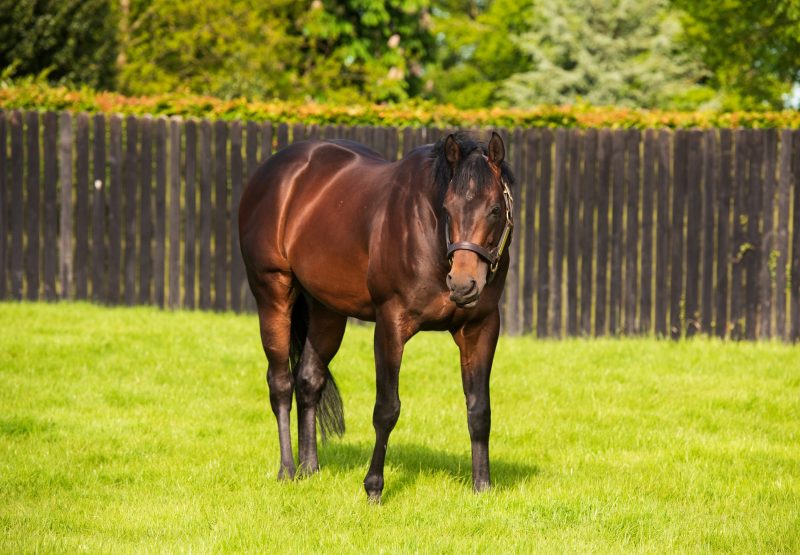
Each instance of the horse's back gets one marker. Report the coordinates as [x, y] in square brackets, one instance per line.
[308, 211]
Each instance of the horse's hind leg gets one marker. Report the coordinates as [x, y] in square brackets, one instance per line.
[325, 332]
[275, 297]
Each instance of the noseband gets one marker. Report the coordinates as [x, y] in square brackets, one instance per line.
[491, 256]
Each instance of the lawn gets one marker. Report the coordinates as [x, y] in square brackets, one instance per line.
[142, 430]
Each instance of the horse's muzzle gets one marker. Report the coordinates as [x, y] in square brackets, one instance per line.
[464, 292]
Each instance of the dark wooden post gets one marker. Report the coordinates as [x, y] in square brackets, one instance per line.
[32, 208]
[174, 299]
[543, 271]
[50, 214]
[98, 188]
[115, 187]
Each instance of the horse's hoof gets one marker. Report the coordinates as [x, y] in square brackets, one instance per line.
[481, 486]
[373, 485]
[305, 471]
[285, 474]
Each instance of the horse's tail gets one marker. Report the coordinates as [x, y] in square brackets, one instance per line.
[330, 411]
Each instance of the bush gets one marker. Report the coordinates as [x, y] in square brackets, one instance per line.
[34, 95]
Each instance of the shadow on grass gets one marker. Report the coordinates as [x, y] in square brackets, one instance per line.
[411, 460]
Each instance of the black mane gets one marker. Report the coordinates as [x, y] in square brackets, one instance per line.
[468, 167]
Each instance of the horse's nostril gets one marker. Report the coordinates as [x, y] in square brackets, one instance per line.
[450, 280]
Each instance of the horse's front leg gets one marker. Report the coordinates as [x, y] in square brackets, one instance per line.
[477, 342]
[390, 338]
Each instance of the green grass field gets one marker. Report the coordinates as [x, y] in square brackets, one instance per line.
[139, 430]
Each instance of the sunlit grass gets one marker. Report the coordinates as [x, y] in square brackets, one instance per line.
[134, 429]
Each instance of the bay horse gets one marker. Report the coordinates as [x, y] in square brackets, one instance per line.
[330, 230]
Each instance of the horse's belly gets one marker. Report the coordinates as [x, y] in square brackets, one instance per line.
[335, 279]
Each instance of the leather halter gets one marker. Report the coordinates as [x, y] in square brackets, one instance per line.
[491, 256]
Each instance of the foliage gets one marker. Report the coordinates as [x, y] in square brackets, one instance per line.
[751, 47]
[224, 48]
[620, 53]
[33, 95]
[372, 49]
[138, 430]
[476, 55]
[69, 41]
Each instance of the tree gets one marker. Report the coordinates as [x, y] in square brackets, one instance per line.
[371, 49]
[343, 51]
[235, 48]
[620, 52]
[475, 55]
[69, 41]
[751, 47]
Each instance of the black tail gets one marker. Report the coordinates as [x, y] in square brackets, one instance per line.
[330, 411]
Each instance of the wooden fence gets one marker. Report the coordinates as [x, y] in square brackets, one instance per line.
[618, 231]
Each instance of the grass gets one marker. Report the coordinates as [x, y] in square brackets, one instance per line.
[138, 430]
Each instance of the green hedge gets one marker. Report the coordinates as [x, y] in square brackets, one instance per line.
[37, 96]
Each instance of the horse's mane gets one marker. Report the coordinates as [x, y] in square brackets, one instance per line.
[470, 167]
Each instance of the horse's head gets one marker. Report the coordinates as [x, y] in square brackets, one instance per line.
[477, 205]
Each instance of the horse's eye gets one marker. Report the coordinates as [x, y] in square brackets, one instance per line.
[495, 211]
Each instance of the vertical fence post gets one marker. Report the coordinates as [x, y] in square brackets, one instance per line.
[532, 186]
[739, 236]
[32, 207]
[174, 269]
[679, 185]
[573, 228]
[115, 188]
[82, 207]
[131, 170]
[237, 284]
[588, 251]
[632, 184]
[50, 214]
[16, 207]
[724, 198]
[513, 321]
[768, 234]
[617, 229]
[4, 230]
[559, 193]
[205, 215]
[543, 270]
[795, 293]
[649, 186]
[146, 213]
[662, 236]
[603, 193]
[710, 207]
[782, 238]
[159, 255]
[98, 243]
[221, 215]
[190, 209]
[694, 229]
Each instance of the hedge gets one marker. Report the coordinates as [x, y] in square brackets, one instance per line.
[38, 96]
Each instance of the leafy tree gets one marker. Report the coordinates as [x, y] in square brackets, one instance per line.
[620, 52]
[475, 54]
[751, 47]
[235, 48]
[329, 50]
[70, 41]
[376, 49]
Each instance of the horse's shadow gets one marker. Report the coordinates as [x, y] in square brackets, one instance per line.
[409, 461]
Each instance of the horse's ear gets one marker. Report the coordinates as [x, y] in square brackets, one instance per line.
[497, 150]
[451, 149]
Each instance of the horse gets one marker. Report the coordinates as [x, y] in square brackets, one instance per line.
[330, 230]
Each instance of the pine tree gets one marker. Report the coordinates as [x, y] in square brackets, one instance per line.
[620, 52]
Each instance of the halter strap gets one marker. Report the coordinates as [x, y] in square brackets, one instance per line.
[492, 257]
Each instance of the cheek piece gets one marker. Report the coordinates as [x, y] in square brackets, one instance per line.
[491, 256]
